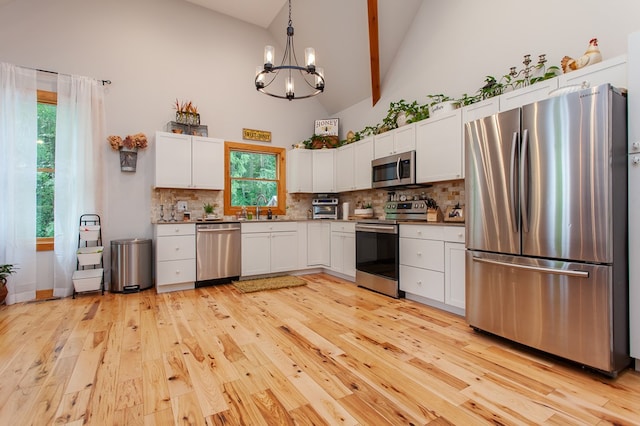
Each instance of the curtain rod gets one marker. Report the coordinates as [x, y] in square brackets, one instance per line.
[56, 73]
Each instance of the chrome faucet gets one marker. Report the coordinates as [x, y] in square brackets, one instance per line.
[258, 204]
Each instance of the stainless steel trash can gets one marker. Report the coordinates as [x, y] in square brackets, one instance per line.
[130, 265]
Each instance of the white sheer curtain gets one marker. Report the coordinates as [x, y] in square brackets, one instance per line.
[80, 142]
[18, 134]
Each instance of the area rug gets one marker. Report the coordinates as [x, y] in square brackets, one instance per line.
[285, 281]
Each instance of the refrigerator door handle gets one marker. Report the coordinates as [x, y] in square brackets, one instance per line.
[524, 180]
[512, 183]
[579, 274]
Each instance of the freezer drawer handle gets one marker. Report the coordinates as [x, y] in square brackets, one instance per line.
[579, 274]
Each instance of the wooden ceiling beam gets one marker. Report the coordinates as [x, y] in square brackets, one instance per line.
[372, 9]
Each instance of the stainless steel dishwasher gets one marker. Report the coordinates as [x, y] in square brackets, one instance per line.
[217, 253]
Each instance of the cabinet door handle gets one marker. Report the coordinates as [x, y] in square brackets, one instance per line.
[419, 253]
[419, 282]
[177, 271]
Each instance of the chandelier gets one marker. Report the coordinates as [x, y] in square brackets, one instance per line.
[289, 67]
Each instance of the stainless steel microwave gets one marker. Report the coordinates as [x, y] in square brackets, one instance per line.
[394, 170]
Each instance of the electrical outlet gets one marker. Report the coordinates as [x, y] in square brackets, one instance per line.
[182, 206]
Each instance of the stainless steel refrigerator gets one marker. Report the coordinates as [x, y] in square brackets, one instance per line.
[546, 227]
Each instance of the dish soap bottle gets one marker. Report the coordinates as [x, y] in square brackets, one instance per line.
[269, 214]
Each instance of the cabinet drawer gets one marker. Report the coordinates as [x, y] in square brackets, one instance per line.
[343, 227]
[454, 234]
[422, 282]
[427, 254]
[433, 232]
[176, 248]
[175, 271]
[175, 229]
[250, 228]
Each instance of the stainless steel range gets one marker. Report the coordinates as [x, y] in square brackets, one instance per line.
[377, 246]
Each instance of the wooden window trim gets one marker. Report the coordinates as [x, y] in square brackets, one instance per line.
[51, 98]
[44, 244]
[281, 178]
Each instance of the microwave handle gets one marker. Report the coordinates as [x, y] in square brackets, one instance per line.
[398, 165]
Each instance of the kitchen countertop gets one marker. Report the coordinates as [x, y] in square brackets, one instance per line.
[459, 224]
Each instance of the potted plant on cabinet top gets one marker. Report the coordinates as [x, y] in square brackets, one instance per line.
[5, 271]
[441, 103]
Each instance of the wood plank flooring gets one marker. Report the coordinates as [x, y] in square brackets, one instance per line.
[328, 353]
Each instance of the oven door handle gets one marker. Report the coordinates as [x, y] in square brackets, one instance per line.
[373, 228]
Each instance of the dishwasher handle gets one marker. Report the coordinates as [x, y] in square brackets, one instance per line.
[217, 229]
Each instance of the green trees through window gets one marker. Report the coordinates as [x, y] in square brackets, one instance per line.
[45, 165]
[252, 174]
[252, 171]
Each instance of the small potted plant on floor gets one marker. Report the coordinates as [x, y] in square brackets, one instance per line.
[5, 271]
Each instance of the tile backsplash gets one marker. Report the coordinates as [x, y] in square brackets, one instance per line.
[446, 194]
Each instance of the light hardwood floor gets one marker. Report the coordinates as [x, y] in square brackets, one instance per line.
[327, 353]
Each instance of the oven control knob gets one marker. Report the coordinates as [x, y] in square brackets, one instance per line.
[415, 206]
[422, 205]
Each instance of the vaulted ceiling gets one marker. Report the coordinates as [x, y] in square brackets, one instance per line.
[339, 32]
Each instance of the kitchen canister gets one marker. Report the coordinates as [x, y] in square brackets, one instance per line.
[346, 208]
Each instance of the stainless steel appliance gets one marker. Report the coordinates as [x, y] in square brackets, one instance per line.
[377, 256]
[634, 195]
[378, 247]
[325, 206]
[394, 170]
[217, 253]
[546, 227]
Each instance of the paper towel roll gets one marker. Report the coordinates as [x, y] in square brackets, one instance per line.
[346, 209]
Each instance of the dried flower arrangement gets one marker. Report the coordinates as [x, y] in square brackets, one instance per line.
[187, 107]
[139, 140]
[187, 113]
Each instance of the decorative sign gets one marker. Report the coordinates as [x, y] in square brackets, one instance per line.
[326, 127]
[256, 135]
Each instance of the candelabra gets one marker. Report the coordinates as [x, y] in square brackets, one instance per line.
[173, 213]
[527, 71]
[161, 213]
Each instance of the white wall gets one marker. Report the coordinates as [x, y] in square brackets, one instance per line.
[453, 45]
[153, 51]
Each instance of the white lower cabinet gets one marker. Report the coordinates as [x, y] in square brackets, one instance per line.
[318, 243]
[269, 247]
[175, 257]
[432, 265]
[454, 274]
[343, 248]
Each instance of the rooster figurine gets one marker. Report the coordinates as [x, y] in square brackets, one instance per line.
[590, 57]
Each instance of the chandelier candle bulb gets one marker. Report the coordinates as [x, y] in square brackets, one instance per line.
[289, 86]
[269, 53]
[259, 77]
[310, 55]
[319, 78]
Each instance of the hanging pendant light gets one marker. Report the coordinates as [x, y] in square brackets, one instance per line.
[312, 76]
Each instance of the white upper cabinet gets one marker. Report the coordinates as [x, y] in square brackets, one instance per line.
[323, 170]
[207, 163]
[439, 148]
[345, 172]
[184, 161]
[529, 94]
[299, 170]
[612, 71]
[363, 155]
[481, 109]
[353, 165]
[402, 139]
